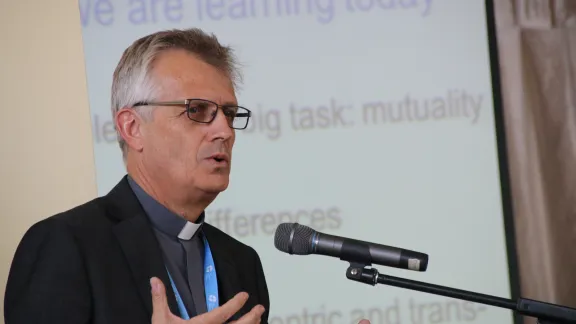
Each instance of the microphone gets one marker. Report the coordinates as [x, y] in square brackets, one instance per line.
[293, 238]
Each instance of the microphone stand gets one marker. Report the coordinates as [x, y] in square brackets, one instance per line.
[545, 313]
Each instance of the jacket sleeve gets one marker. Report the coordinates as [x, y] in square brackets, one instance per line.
[47, 283]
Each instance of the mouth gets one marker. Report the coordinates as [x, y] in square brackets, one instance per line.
[221, 159]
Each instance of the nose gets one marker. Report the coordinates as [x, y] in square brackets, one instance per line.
[221, 128]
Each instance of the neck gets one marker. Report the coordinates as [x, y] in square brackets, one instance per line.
[180, 201]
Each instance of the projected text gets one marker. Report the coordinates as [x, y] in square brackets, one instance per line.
[142, 12]
[410, 110]
[409, 311]
[242, 225]
[454, 105]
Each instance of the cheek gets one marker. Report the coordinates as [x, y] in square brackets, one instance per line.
[170, 147]
[182, 150]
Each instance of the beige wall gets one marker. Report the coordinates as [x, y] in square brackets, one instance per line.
[46, 154]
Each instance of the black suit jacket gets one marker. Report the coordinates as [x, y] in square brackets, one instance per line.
[93, 264]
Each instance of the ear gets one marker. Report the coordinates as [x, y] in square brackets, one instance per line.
[129, 125]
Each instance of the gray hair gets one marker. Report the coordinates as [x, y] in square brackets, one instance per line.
[132, 81]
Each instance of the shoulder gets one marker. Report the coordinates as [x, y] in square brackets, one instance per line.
[57, 227]
[56, 232]
[81, 215]
[48, 263]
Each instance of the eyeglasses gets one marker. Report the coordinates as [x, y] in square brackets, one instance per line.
[205, 111]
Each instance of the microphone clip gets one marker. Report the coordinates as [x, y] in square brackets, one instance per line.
[359, 272]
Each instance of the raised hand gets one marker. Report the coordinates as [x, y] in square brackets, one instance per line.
[162, 314]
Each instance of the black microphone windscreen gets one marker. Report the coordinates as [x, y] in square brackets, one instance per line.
[294, 238]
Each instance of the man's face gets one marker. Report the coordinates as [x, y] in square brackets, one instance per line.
[181, 153]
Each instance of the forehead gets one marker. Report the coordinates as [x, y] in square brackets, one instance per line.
[181, 75]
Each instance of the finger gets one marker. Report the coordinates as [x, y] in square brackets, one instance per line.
[364, 321]
[223, 313]
[254, 316]
[160, 309]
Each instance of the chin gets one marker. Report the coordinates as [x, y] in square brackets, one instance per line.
[215, 184]
[215, 189]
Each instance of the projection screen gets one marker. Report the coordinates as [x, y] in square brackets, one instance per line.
[372, 119]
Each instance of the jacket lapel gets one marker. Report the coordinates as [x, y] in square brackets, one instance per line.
[226, 273]
[139, 244]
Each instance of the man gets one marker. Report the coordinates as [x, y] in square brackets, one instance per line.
[176, 113]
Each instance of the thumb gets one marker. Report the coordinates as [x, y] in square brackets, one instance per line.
[364, 321]
[160, 309]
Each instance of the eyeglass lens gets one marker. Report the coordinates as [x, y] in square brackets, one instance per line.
[205, 111]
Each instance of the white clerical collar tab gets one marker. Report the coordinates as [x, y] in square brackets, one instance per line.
[189, 230]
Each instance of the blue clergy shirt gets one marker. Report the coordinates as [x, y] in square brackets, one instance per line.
[183, 249]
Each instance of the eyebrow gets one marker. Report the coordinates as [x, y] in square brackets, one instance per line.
[230, 103]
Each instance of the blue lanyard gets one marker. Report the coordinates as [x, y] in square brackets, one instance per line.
[210, 284]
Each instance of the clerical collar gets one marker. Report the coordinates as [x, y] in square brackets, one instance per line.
[162, 218]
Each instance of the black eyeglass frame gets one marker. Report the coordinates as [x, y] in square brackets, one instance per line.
[186, 103]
